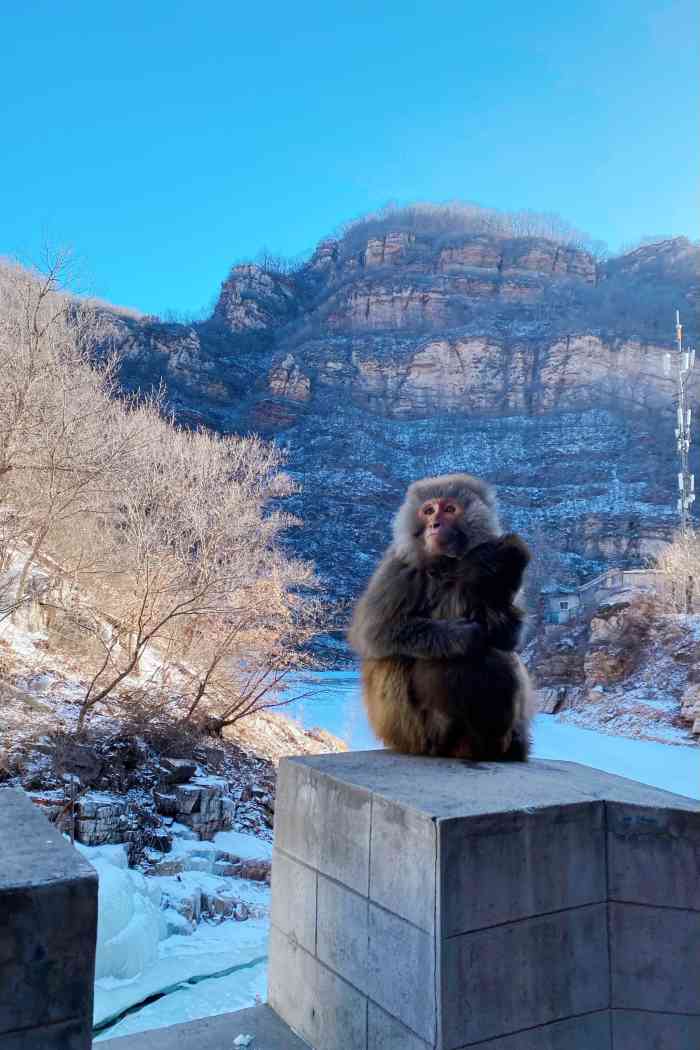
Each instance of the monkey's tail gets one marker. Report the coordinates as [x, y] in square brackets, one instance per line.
[519, 750]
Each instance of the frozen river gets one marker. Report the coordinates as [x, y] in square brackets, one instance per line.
[336, 706]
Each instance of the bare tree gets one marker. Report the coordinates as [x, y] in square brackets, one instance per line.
[543, 570]
[680, 563]
[239, 660]
[56, 443]
[192, 568]
[156, 549]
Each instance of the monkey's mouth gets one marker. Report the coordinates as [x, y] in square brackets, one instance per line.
[444, 547]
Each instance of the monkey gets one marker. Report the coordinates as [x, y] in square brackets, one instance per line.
[436, 628]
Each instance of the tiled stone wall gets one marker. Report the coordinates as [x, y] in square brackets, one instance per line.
[432, 904]
[48, 927]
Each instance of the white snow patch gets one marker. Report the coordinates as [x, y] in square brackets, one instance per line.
[217, 995]
[243, 845]
[209, 950]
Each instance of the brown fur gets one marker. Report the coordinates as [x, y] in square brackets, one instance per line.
[436, 635]
[385, 691]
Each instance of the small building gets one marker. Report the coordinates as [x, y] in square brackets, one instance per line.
[592, 592]
[561, 605]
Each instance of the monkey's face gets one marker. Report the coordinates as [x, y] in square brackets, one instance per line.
[444, 517]
[441, 522]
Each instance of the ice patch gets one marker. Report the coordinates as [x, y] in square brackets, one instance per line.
[141, 950]
[130, 922]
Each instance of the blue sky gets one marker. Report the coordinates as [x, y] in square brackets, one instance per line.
[166, 141]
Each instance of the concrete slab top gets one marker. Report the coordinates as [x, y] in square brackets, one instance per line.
[442, 788]
[215, 1033]
[34, 853]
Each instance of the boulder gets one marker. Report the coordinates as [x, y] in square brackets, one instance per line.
[177, 770]
[101, 821]
[605, 665]
[690, 706]
[190, 906]
[235, 867]
[171, 866]
[688, 652]
[166, 804]
[160, 839]
[81, 760]
[550, 698]
[204, 807]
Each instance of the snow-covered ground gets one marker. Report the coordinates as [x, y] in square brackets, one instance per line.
[646, 703]
[665, 766]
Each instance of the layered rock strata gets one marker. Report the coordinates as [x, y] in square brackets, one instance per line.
[394, 356]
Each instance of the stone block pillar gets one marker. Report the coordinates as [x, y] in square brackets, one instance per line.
[429, 903]
[48, 930]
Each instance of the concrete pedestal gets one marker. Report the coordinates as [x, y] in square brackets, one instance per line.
[48, 928]
[431, 903]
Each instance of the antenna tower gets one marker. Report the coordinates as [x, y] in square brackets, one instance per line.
[686, 481]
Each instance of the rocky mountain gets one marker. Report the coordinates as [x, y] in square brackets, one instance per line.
[630, 666]
[396, 352]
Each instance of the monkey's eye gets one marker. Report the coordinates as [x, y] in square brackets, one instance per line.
[450, 509]
[428, 511]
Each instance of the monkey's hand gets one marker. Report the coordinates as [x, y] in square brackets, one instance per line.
[466, 637]
[503, 631]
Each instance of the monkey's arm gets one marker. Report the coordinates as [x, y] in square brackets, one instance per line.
[503, 561]
[386, 624]
[503, 631]
[426, 639]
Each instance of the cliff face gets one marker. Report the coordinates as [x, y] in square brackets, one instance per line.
[253, 300]
[517, 359]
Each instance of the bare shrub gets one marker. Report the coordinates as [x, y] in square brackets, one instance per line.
[680, 563]
[160, 725]
[271, 263]
[460, 217]
[279, 265]
[146, 833]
